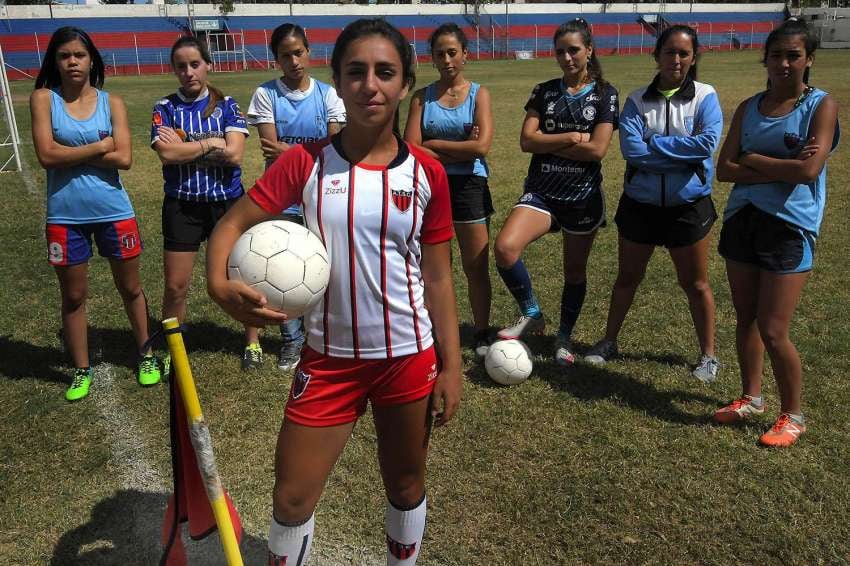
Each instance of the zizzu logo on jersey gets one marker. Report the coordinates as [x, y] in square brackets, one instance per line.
[336, 188]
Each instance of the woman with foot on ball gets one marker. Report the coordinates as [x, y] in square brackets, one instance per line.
[568, 126]
[82, 139]
[386, 331]
[775, 153]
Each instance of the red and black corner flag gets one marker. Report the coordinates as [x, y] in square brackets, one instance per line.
[189, 502]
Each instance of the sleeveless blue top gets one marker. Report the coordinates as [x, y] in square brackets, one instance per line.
[84, 194]
[452, 124]
[782, 137]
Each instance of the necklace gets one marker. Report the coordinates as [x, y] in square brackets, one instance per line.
[454, 92]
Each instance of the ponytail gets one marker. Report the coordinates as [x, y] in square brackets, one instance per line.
[215, 97]
[594, 67]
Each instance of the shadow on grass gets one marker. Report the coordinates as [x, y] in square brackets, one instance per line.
[591, 383]
[19, 360]
[125, 529]
[116, 346]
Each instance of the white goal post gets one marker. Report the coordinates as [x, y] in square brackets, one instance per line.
[9, 137]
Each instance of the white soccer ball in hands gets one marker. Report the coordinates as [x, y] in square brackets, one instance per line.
[284, 261]
[508, 362]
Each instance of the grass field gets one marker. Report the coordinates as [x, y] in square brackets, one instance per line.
[613, 465]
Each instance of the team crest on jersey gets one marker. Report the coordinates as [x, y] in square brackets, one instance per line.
[300, 383]
[216, 114]
[128, 241]
[589, 113]
[402, 199]
[157, 118]
[550, 108]
[102, 134]
[792, 140]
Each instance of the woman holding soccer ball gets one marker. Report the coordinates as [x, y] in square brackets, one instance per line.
[82, 139]
[453, 121]
[669, 131]
[290, 110]
[199, 135]
[568, 126]
[775, 153]
[386, 331]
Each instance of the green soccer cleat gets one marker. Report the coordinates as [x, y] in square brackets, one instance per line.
[148, 372]
[252, 357]
[79, 385]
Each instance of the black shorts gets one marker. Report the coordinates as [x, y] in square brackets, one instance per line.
[470, 196]
[668, 226]
[186, 224]
[757, 238]
[573, 217]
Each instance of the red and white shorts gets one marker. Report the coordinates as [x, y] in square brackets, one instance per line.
[330, 391]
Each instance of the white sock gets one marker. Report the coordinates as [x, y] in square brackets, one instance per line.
[755, 400]
[797, 418]
[404, 533]
[290, 544]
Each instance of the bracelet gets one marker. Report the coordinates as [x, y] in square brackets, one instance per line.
[203, 150]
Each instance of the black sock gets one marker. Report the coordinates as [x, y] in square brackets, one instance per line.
[572, 299]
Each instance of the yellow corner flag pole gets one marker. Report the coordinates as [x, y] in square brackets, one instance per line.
[201, 441]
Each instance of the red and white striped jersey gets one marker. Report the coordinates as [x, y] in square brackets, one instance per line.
[372, 221]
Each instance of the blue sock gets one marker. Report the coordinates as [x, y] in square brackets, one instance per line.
[572, 299]
[519, 284]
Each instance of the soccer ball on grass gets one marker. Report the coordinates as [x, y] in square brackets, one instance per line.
[508, 362]
[284, 261]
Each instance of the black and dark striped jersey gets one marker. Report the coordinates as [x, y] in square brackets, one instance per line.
[560, 112]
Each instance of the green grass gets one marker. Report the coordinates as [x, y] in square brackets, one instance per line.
[593, 465]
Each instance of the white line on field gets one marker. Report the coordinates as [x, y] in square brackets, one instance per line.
[124, 434]
[27, 175]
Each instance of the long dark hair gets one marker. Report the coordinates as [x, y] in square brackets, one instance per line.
[449, 28]
[594, 67]
[48, 75]
[191, 41]
[283, 31]
[691, 33]
[791, 27]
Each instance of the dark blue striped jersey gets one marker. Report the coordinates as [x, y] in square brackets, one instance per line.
[199, 181]
[560, 112]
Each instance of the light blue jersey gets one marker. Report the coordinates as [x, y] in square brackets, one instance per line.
[452, 124]
[84, 194]
[199, 181]
[299, 116]
[782, 137]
